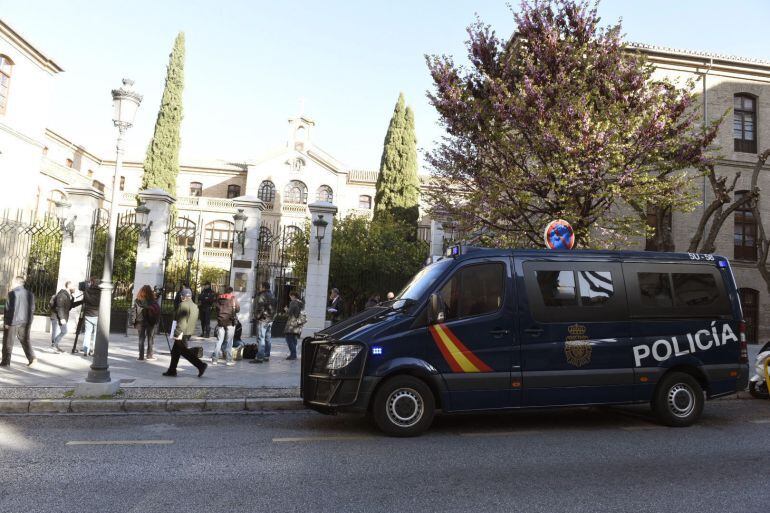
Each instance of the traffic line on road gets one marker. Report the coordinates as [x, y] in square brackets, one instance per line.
[331, 438]
[761, 421]
[500, 433]
[648, 427]
[119, 442]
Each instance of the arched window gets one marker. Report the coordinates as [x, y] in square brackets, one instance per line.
[295, 192]
[219, 235]
[365, 202]
[233, 191]
[196, 189]
[6, 64]
[266, 191]
[744, 232]
[184, 230]
[292, 232]
[750, 307]
[325, 193]
[745, 123]
[265, 242]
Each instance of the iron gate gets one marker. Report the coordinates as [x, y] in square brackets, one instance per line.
[178, 269]
[273, 264]
[30, 246]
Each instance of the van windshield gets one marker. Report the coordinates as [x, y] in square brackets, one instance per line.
[423, 280]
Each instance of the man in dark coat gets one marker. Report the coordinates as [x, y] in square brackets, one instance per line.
[60, 314]
[205, 302]
[335, 306]
[91, 297]
[19, 310]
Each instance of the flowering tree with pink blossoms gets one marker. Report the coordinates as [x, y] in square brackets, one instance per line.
[560, 120]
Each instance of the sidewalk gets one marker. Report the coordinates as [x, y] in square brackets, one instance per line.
[56, 374]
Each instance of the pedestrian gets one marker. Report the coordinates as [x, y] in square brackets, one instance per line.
[178, 296]
[295, 321]
[61, 304]
[374, 300]
[92, 295]
[206, 300]
[266, 305]
[186, 317]
[146, 315]
[335, 306]
[227, 310]
[391, 296]
[19, 310]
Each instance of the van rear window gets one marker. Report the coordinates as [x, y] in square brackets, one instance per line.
[655, 290]
[693, 289]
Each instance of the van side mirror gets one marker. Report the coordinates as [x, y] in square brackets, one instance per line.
[435, 310]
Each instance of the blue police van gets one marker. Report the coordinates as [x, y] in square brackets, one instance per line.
[494, 329]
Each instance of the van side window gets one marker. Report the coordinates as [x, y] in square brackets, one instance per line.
[474, 290]
[595, 287]
[692, 289]
[655, 290]
[557, 288]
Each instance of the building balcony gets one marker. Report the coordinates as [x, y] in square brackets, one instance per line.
[294, 209]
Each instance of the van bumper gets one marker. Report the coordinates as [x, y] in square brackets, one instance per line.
[332, 406]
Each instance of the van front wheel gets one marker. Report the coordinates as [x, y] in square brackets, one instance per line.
[403, 406]
[678, 400]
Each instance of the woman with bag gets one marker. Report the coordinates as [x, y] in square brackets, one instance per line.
[294, 323]
[146, 313]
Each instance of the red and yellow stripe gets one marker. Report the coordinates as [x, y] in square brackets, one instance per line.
[459, 357]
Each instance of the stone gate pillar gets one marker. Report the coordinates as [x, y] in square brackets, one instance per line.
[76, 249]
[149, 257]
[243, 277]
[317, 283]
[436, 239]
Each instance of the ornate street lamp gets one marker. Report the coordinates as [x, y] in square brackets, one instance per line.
[320, 231]
[125, 103]
[190, 250]
[240, 229]
[140, 221]
[67, 228]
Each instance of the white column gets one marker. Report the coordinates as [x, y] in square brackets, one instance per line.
[436, 239]
[317, 283]
[149, 257]
[242, 273]
[76, 249]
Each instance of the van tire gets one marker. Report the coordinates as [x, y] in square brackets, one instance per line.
[403, 406]
[678, 400]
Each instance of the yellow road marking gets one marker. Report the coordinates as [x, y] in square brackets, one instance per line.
[322, 438]
[119, 442]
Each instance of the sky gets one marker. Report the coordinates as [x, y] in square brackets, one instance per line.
[251, 64]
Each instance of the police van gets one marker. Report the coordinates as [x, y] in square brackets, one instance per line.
[495, 329]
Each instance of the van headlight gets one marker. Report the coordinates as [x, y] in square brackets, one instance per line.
[342, 356]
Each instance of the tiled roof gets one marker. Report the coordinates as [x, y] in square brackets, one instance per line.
[363, 175]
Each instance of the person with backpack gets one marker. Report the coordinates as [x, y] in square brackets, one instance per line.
[205, 302]
[294, 323]
[227, 310]
[61, 303]
[91, 297]
[146, 314]
[265, 314]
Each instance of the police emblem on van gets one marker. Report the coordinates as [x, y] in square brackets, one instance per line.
[577, 348]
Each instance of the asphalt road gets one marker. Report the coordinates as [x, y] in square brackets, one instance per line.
[592, 460]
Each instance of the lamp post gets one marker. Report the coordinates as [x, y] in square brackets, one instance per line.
[67, 228]
[240, 229]
[320, 231]
[190, 249]
[125, 102]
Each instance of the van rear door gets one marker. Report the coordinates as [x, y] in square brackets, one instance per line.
[575, 347]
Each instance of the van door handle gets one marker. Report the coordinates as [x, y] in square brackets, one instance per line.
[498, 332]
[535, 332]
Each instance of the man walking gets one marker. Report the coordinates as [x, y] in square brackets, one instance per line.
[91, 297]
[206, 301]
[186, 318]
[19, 310]
[266, 305]
[227, 310]
[61, 305]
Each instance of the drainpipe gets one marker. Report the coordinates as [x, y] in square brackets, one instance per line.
[705, 122]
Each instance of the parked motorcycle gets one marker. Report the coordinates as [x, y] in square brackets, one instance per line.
[758, 386]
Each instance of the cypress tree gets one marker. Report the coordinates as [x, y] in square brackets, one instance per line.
[398, 187]
[161, 165]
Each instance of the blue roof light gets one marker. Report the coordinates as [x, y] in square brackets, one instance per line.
[376, 350]
[722, 263]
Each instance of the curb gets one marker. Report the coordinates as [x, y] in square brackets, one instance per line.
[98, 406]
